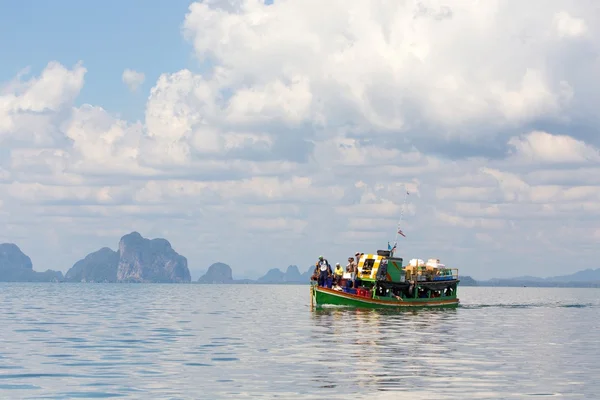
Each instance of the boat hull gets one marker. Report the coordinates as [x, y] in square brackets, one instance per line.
[325, 296]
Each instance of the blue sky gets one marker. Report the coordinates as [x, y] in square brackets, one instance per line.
[108, 36]
[319, 116]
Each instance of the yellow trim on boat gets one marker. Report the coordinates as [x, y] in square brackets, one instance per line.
[373, 273]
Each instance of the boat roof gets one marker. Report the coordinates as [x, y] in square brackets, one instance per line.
[372, 257]
[379, 257]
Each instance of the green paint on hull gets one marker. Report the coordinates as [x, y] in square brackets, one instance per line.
[329, 297]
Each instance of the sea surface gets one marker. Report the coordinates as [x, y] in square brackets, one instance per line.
[158, 341]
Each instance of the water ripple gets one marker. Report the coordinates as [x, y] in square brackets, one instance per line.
[60, 341]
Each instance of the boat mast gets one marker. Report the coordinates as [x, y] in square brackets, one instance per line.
[400, 220]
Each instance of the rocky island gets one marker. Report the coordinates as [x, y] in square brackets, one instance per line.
[100, 266]
[15, 266]
[221, 273]
[217, 273]
[137, 260]
[291, 275]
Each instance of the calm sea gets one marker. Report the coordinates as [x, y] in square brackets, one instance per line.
[60, 341]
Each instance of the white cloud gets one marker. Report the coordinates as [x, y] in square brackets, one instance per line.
[568, 25]
[28, 109]
[542, 147]
[306, 129]
[379, 66]
[133, 79]
[55, 88]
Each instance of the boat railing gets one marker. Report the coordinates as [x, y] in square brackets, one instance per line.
[452, 272]
[423, 272]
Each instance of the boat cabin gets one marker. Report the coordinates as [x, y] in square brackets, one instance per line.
[374, 267]
[384, 275]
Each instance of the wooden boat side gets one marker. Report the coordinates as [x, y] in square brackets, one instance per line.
[336, 297]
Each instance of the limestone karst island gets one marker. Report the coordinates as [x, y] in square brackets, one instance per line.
[141, 260]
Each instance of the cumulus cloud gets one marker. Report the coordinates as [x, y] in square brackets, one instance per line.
[29, 110]
[308, 127]
[542, 147]
[569, 26]
[133, 79]
[385, 67]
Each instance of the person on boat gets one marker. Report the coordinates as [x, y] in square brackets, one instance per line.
[351, 268]
[350, 265]
[324, 271]
[316, 273]
[338, 273]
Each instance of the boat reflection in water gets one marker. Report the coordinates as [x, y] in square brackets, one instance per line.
[380, 350]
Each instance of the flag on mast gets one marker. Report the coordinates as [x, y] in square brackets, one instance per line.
[392, 249]
[401, 233]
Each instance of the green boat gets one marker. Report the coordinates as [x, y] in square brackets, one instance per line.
[383, 281]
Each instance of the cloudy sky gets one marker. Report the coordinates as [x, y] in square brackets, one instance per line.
[264, 135]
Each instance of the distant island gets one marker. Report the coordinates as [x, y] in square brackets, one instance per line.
[137, 260]
[222, 273]
[17, 267]
[588, 278]
[144, 260]
[219, 273]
